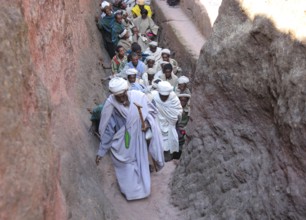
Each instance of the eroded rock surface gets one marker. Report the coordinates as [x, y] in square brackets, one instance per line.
[247, 155]
[50, 73]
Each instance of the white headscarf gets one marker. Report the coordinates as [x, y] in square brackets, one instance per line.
[151, 71]
[118, 85]
[166, 51]
[131, 71]
[104, 4]
[153, 43]
[164, 88]
[182, 79]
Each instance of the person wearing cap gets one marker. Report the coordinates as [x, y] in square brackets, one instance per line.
[182, 122]
[168, 75]
[182, 85]
[119, 60]
[125, 41]
[141, 5]
[146, 25]
[134, 82]
[148, 77]
[159, 69]
[154, 50]
[166, 56]
[104, 24]
[123, 133]
[150, 63]
[169, 111]
[117, 27]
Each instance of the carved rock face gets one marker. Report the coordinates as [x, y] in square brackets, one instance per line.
[246, 157]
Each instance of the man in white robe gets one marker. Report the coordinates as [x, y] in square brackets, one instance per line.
[122, 133]
[169, 111]
[154, 50]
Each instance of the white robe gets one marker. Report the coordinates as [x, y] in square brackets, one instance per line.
[131, 164]
[169, 111]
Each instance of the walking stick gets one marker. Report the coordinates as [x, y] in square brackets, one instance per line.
[139, 107]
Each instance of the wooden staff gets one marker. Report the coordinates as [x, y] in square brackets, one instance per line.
[143, 125]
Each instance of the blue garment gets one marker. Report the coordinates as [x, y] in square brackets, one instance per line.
[137, 86]
[143, 55]
[141, 68]
[117, 29]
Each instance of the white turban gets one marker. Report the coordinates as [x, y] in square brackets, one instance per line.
[141, 2]
[123, 33]
[104, 4]
[184, 95]
[153, 43]
[118, 85]
[150, 58]
[131, 71]
[166, 51]
[164, 88]
[182, 79]
[150, 71]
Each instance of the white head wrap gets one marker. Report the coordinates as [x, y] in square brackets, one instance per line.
[150, 71]
[141, 2]
[166, 51]
[153, 43]
[131, 71]
[117, 85]
[184, 95]
[123, 33]
[182, 79]
[164, 88]
[104, 4]
[150, 58]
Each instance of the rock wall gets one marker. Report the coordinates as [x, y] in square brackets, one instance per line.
[50, 73]
[246, 157]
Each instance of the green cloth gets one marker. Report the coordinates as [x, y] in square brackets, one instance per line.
[96, 113]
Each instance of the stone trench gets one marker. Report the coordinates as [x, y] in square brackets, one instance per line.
[246, 154]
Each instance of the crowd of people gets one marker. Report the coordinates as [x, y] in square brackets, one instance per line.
[145, 116]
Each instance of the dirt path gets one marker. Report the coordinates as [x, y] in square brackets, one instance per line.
[156, 206]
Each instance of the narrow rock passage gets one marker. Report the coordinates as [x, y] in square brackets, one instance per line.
[157, 205]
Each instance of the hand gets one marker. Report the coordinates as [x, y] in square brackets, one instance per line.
[98, 158]
[146, 127]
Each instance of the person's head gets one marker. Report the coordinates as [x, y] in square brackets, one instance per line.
[150, 61]
[164, 89]
[120, 50]
[131, 75]
[118, 17]
[153, 46]
[151, 74]
[184, 98]
[134, 58]
[167, 70]
[165, 55]
[106, 8]
[182, 82]
[118, 87]
[155, 83]
[135, 31]
[144, 13]
[141, 3]
[137, 49]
